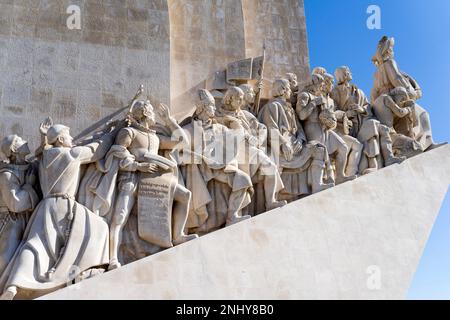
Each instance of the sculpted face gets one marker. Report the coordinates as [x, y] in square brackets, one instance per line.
[348, 74]
[210, 110]
[287, 93]
[65, 139]
[149, 114]
[327, 86]
[401, 99]
[249, 95]
[237, 101]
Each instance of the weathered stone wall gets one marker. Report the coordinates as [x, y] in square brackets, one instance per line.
[78, 76]
[282, 25]
[206, 35]
[171, 46]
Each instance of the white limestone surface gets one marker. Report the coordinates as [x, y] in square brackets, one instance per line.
[360, 240]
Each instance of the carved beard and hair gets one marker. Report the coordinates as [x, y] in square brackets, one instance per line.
[232, 94]
[139, 115]
[280, 87]
[203, 99]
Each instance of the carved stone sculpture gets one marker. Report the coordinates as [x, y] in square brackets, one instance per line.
[311, 103]
[396, 111]
[17, 196]
[251, 155]
[220, 190]
[388, 77]
[301, 163]
[62, 233]
[293, 81]
[342, 126]
[375, 136]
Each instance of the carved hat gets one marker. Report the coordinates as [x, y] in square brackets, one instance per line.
[203, 99]
[9, 144]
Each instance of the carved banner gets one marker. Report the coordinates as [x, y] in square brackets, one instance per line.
[155, 198]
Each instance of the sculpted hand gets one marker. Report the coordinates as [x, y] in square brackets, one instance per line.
[258, 86]
[163, 112]
[288, 151]
[44, 126]
[147, 167]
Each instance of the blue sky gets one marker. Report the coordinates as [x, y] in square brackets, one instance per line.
[338, 35]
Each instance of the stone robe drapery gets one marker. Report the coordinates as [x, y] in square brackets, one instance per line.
[17, 199]
[63, 237]
[212, 180]
[283, 126]
[387, 77]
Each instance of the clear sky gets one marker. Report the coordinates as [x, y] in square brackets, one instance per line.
[338, 35]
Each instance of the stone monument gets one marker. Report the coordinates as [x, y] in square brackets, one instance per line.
[137, 187]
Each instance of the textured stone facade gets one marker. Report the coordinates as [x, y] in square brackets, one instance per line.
[78, 76]
[171, 46]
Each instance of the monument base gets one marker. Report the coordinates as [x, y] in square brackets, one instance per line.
[360, 240]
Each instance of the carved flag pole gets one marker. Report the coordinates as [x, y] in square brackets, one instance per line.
[258, 95]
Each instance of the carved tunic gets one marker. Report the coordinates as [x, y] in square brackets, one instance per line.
[62, 233]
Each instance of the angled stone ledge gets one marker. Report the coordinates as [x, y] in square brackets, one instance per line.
[326, 246]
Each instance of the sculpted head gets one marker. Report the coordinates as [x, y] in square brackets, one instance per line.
[292, 78]
[205, 105]
[315, 84]
[14, 146]
[328, 118]
[328, 80]
[233, 99]
[319, 70]
[385, 50]
[343, 75]
[142, 111]
[58, 135]
[400, 95]
[281, 89]
[249, 93]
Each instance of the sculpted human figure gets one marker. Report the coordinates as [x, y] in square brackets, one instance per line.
[17, 196]
[396, 111]
[250, 96]
[63, 236]
[301, 163]
[388, 77]
[220, 190]
[293, 81]
[343, 124]
[375, 136]
[310, 105]
[252, 158]
[142, 143]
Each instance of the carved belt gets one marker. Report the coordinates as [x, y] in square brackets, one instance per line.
[60, 195]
